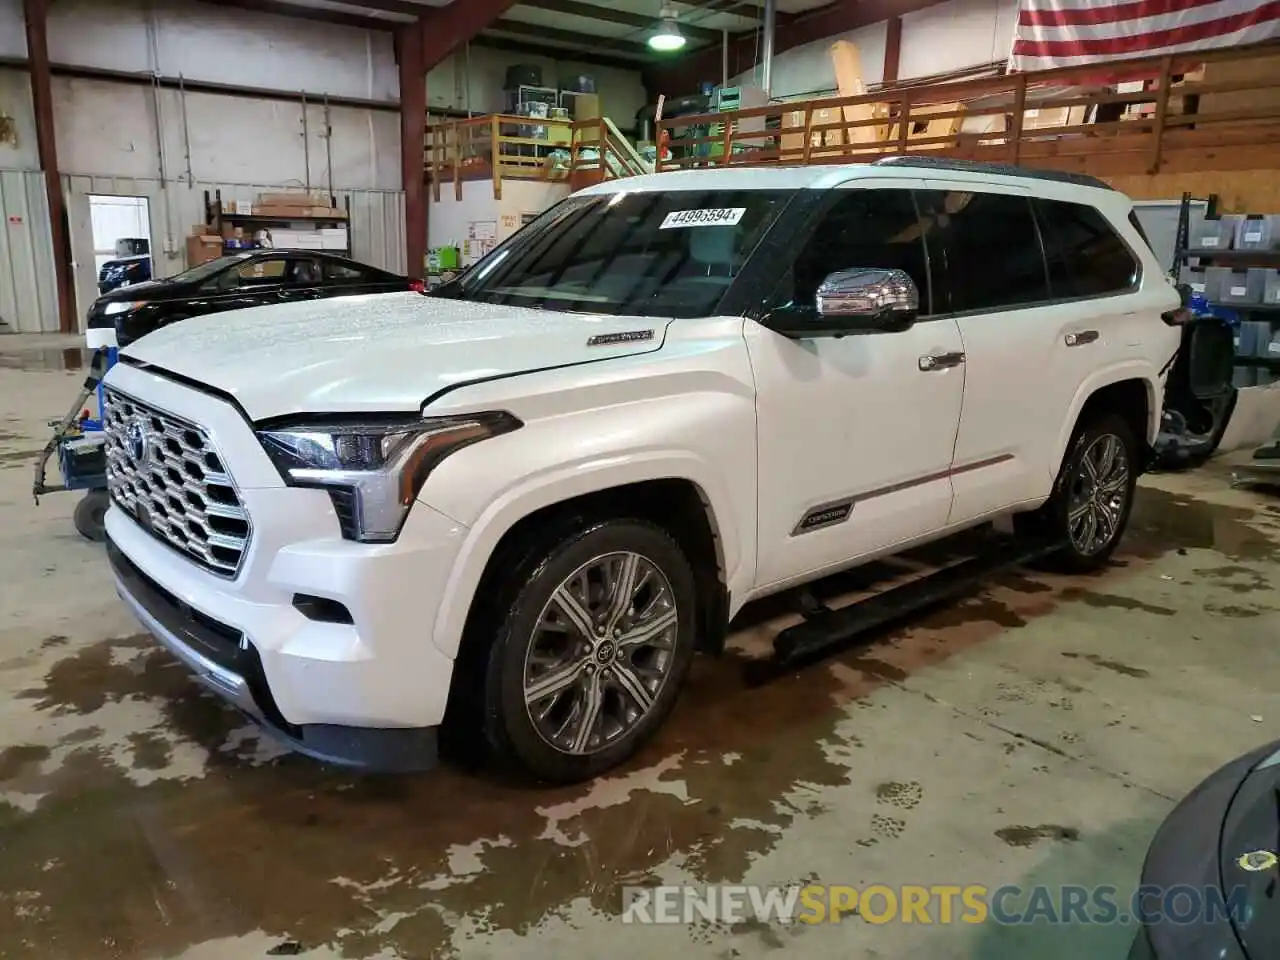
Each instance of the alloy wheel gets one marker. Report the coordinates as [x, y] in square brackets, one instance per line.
[601, 652]
[1098, 493]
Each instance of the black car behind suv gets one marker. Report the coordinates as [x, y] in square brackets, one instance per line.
[253, 278]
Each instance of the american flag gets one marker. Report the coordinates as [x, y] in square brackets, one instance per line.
[1066, 33]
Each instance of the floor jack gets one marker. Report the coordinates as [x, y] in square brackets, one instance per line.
[80, 446]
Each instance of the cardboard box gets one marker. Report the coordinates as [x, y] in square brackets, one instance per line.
[202, 249]
[290, 200]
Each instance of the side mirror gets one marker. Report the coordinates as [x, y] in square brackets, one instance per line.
[857, 300]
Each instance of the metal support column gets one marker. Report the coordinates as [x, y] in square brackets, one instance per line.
[413, 133]
[47, 146]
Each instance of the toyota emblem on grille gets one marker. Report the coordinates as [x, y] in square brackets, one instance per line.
[136, 435]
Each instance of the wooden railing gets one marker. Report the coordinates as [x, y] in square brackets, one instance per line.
[526, 148]
[1226, 116]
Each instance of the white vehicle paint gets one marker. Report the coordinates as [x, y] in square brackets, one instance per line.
[807, 454]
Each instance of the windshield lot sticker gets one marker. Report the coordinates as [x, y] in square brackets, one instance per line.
[1258, 861]
[716, 217]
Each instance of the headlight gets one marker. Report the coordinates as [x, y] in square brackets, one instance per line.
[121, 306]
[375, 469]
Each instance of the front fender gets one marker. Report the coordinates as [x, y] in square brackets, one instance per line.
[1105, 377]
[574, 479]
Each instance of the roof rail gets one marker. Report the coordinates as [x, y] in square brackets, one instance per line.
[999, 169]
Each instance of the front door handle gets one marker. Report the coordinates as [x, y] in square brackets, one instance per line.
[940, 361]
[1080, 338]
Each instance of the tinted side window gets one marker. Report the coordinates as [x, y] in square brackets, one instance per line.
[984, 250]
[343, 272]
[863, 228]
[1086, 256]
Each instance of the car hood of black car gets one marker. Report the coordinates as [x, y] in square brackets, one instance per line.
[135, 291]
[1250, 859]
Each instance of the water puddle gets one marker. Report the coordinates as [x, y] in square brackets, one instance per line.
[117, 855]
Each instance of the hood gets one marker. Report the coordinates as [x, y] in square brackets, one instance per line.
[131, 292]
[375, 353]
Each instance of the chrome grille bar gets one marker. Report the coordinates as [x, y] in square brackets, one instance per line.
[165, 472]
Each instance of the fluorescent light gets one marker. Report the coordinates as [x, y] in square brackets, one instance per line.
[667, 37]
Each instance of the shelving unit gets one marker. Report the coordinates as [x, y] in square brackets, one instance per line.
[215, 218]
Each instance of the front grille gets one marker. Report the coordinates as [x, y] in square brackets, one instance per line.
[165, 473]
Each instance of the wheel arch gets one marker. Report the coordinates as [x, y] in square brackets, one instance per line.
[678, 494]
[1131, 391]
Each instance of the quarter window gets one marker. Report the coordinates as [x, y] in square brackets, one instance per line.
[983, 249]
[1086, 256]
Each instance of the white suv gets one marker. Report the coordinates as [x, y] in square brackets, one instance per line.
[527, 501]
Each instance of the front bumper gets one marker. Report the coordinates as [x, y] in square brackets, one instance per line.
[226, 662]
[327, 642]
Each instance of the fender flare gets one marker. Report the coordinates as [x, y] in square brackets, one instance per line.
[1105, 377]
[566, 482]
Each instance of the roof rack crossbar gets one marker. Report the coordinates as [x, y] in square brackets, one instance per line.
[998, 169]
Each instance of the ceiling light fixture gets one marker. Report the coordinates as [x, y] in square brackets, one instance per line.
[667, 38]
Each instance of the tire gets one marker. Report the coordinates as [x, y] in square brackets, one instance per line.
[90, 516]
[1053, 521]
[630, 690]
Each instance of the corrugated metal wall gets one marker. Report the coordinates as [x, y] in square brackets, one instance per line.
[377, 222]
[28, 298]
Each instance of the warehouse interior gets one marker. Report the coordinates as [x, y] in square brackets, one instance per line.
[1031, 731]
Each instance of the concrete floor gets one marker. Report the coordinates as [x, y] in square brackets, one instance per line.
[1035, 734]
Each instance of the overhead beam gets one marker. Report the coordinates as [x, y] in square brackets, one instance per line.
[404, 7]
[316, 14]
[561, 54]
[446, 29]
[35, 12]
[682, 75]
[737, 8]
[591, 11]
[556, 35]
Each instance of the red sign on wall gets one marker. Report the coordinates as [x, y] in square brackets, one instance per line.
[14, 219]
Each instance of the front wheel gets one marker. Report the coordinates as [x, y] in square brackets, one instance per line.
[90, 516]
[1091, 501]
[591, 657]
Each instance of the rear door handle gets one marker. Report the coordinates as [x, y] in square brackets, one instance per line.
[1080, 337]
[940, 361]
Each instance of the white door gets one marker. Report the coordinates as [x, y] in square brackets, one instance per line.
[1034, 328]
[856, 433]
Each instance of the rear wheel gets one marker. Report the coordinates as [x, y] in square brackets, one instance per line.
[1093, 496]
[592, 654]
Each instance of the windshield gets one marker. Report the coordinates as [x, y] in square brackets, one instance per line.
[671, 254]
[207, 269]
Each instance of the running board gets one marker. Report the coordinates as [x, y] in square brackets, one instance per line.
[824, 630]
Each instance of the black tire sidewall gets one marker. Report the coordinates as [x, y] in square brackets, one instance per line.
[90, 516]
[510, 730]
[1060, 503]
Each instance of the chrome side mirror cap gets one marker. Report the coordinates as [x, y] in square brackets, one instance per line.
[881, 299]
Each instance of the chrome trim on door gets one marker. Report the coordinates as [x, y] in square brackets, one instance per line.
[1080, 337]
[835, 512]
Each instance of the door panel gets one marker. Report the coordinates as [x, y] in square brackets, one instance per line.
[1029, 281]
[855, 433]
[855, 443]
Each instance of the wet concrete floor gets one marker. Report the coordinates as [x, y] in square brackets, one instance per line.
[1036, 733]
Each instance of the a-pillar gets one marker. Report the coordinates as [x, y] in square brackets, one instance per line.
[36, 13]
